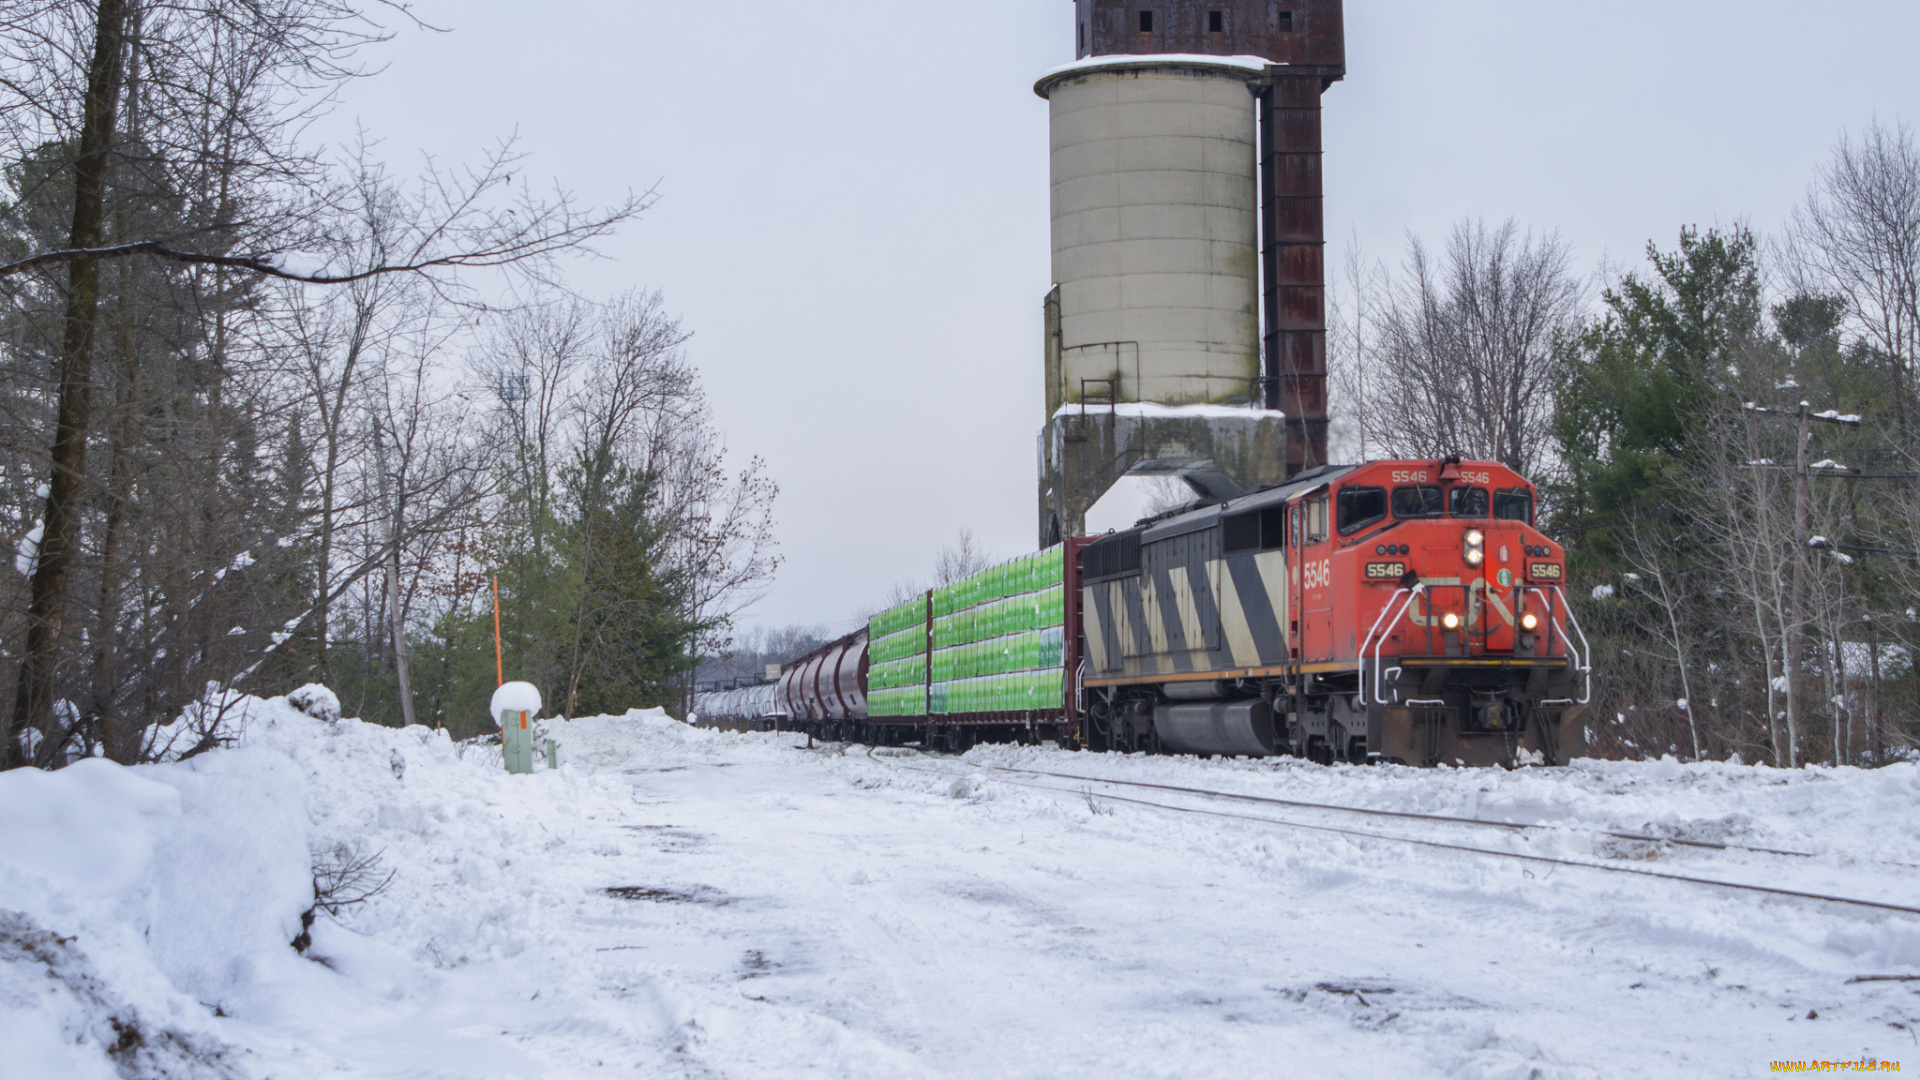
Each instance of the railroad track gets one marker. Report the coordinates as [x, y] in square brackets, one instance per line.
[1368, 834]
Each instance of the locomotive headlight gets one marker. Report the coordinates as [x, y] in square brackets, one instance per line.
[1530, 621]
[1476, 547]
[1450, 620]
[1476, 538]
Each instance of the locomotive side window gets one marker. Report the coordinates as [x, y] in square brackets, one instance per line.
[1513, 505]
[1468, 502]
[1316, 524]
[1416, 502]
[1360, 507]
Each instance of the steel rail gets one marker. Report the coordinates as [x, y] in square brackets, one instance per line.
[1416, 841]
[1547, 859]
[1514, 825]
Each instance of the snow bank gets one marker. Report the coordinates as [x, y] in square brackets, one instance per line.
[138, 904]
[681, 901]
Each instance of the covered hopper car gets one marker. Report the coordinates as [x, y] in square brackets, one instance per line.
[1405, 611]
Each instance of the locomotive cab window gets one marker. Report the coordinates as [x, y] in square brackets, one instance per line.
[1468, 502]
[1513, 505]
[1359, 507]
[1416, 502]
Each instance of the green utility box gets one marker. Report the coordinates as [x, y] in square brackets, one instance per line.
[515, 705]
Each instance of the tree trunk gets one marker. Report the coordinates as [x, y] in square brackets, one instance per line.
[122, 740]
[396, 620]
[47, 609]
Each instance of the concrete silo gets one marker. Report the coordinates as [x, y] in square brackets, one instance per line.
[1156, 231]
[1186, 196]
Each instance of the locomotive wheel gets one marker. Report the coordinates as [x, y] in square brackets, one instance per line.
[1318, 751]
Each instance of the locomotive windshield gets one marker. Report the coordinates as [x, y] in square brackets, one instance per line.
[1515, 504]
[1468, 502]
[1360, 507]
[1416, 502]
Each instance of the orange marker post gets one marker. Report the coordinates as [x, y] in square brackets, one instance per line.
[499, 668]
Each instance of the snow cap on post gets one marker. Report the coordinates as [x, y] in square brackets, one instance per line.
[515, 697]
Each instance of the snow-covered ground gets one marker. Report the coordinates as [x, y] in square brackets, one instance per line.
[685, 903]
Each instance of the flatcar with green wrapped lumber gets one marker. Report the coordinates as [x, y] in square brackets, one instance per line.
[984, 659]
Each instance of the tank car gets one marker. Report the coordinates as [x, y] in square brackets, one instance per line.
[825, 691]
[751, 708]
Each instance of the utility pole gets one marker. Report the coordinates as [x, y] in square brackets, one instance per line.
[1804, 416]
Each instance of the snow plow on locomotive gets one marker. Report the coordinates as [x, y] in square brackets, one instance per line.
[1403, 611]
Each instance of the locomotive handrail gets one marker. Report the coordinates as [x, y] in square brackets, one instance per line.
[1580, 652]
[1584, 655]
[1379, 641]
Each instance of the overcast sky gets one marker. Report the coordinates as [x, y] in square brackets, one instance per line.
[853, 218]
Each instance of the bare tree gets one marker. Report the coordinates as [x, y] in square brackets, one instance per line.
[1355, 302]
[1661, 579]
[1858, 236]
[960, 560]
[1469, 346]
[205, 102]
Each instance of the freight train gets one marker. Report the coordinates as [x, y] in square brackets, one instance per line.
[1398, 611]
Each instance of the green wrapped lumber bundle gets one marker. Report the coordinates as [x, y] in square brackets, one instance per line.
[999, 638]
[897, 660]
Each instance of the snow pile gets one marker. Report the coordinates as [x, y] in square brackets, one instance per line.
[137, 904]
[158, 907]
[317, 701]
